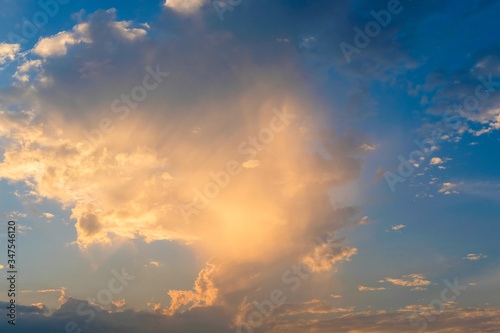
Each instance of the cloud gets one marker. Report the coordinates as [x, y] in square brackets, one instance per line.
[315, 307]
[57, 45]
[478, 83]
[61, 290]
[27, 66]
[398, 227]
[128, 33]
[185, 6]
[363, 288]
[48, 215]
[204, 294]
[251, 164]
[8, 52]
[472, 256]
[411, 280]
[436, 160]
[133, 182]
[315, 315]
[448, 188]
[325, 255]
[120, 303]
[34, 319]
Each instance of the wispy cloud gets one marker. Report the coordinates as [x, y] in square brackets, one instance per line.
[363, 288]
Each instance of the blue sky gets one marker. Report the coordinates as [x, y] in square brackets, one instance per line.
[289, 140]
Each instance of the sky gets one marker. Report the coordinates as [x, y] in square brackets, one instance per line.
[251, 166]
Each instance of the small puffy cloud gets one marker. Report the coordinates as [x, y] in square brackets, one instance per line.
[8, 52]
[436, 160]
[41, 306]
[48, 215]
[120, 303]
[363, 288]
[473, 256]
[1, 266]
[363, 220]
[57, 45]
[128, 33]
[184, 6]
[398, 227]
[313, 307]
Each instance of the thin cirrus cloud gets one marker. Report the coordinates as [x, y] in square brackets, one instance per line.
[364, 288]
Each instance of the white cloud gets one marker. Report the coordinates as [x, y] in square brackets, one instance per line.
[25, 67]
[57, 45]
[473, 256]
[185, 6]
[8, 51]
[128, 33]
